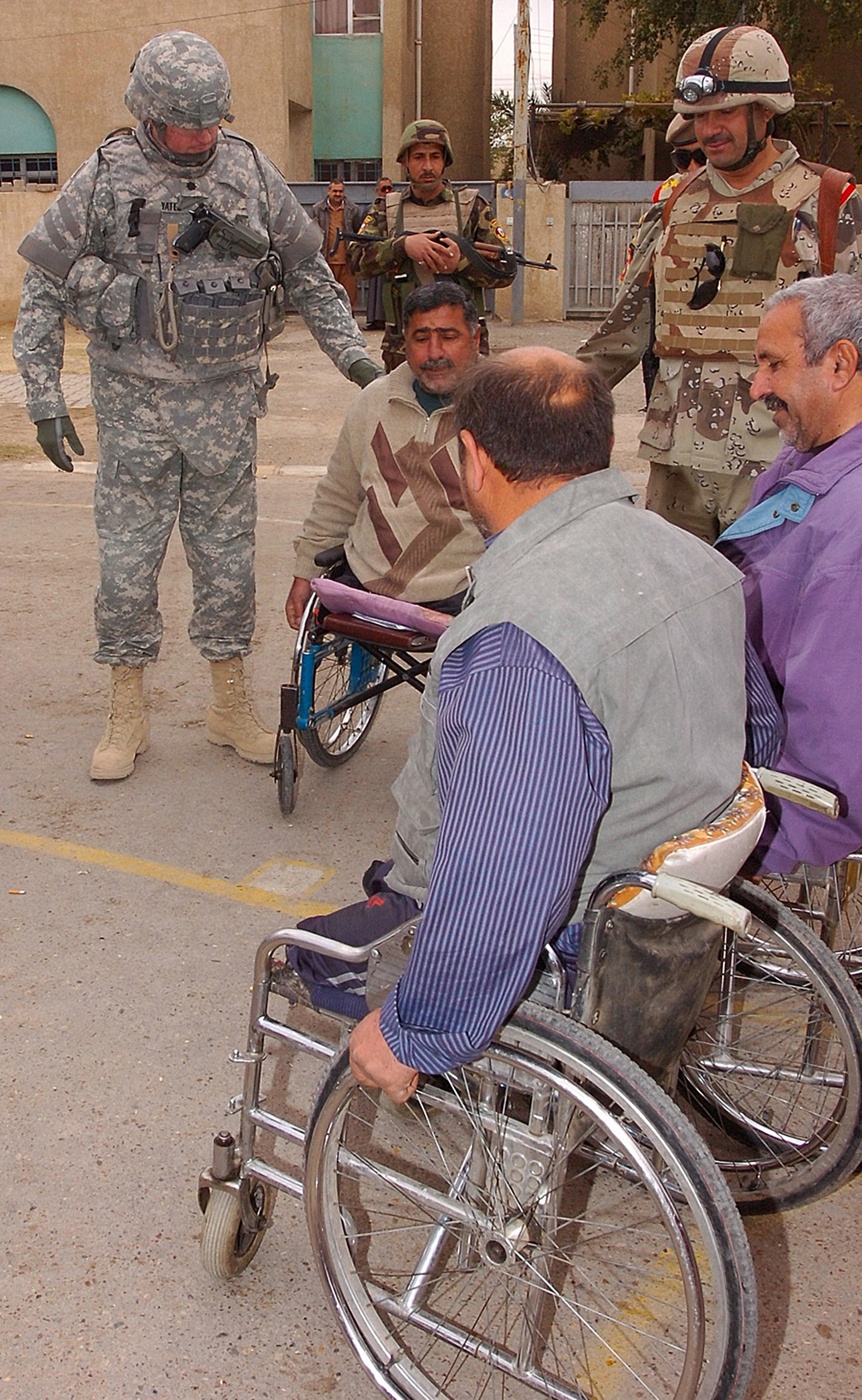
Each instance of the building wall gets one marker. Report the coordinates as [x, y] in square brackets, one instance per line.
[72, 57]
[545, 231]
[579, 58]
[19, 210]
[456, 79]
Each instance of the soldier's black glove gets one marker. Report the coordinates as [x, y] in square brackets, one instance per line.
[51, 433]
[364, 372]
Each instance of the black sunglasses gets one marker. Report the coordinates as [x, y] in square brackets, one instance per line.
[682, 159]
[713, 263]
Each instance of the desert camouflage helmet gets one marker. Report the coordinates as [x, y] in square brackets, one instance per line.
[680, 132]
[178, 79]
[425, 130]
[731, 67]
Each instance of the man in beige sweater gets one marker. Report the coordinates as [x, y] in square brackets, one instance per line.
[392, 491]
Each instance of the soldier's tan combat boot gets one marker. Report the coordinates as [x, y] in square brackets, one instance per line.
[127, 732]
[231, 719]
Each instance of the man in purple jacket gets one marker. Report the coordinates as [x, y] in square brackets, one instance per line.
[800, 548]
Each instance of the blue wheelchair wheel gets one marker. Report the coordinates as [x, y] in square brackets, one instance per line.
[332, 671]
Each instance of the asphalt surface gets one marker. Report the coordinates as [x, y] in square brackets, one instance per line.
[129, 916]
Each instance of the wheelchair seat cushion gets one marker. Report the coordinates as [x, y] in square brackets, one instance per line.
[393, 612]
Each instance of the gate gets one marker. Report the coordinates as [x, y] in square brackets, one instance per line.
[602, 220]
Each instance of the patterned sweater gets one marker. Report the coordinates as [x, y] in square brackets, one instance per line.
[392, 496]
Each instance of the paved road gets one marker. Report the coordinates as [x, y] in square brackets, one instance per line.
[129, 915]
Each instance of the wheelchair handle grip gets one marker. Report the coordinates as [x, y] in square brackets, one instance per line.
[704, 903]
[797, 790]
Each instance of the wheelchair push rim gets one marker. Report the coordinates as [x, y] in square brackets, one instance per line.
[543, 1221]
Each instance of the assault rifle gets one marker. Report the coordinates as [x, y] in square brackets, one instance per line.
[507, 257]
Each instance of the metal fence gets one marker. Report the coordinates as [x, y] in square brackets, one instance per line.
[603, 215]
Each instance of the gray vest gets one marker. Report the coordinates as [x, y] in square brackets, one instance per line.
[650, 624]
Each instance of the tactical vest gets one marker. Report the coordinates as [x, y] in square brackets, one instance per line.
[757, 234]
[649, 629]
[447, 216]
[203, 313]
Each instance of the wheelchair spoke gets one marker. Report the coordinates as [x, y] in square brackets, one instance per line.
[772, 1072]
[479, 1245]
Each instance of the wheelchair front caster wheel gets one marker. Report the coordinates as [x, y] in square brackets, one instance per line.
[285, 773]
[228, 1244]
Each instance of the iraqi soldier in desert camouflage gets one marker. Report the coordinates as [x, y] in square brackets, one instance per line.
[753, 220]
[416, 231]
[173, 248]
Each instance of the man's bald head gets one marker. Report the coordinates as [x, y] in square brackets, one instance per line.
[538, 414]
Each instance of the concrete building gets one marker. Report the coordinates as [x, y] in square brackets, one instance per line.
[324, 87]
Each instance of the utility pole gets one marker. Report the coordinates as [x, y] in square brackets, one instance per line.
[519, 165]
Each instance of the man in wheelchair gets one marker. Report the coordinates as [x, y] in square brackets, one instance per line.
[800, 548]
[391, 494]
[588, 703]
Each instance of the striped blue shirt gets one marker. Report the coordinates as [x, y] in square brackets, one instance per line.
[523, 770]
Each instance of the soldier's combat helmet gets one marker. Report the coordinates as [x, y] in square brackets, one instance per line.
[178, 79]
[731, 67]
[425, 130]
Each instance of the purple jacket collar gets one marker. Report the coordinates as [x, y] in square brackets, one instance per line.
[816, 472]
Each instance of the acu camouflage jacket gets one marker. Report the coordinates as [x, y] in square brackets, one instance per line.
[102, 256]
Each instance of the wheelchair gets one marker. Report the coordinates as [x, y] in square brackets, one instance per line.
[546, 1219]
[829, 899]
[770, 1074]
[342, 666]
[826, 897]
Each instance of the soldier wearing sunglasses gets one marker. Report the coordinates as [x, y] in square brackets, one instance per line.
[752, 219]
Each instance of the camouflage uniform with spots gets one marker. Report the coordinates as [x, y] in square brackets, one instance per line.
[700, 414]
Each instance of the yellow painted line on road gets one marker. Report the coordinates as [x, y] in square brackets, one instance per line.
[239, 892]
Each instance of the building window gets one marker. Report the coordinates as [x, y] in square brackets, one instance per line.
[354, 171]
[348, 16]
[28, 170]
[28, 146]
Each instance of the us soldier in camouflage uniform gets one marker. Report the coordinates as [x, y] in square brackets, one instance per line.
[173, 247]
[417, 231]
[725, 239]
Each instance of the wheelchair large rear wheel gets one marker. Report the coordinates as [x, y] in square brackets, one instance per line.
[543, 1221]
[341, 668]
[829, 899]
[772, 1073]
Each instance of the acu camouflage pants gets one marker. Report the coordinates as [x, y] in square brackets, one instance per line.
[135, 512]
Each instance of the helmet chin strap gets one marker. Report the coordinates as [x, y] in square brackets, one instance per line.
[191, 160]
[754, 146]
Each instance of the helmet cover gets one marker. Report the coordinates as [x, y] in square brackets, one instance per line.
[425, 130]
[733, 67]
[179, 79]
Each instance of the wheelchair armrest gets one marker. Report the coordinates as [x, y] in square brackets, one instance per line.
[377, 633]
[335, 554]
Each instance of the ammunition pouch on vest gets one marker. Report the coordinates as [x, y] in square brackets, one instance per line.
[760, 236]
[757, 239]
[210, 321]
